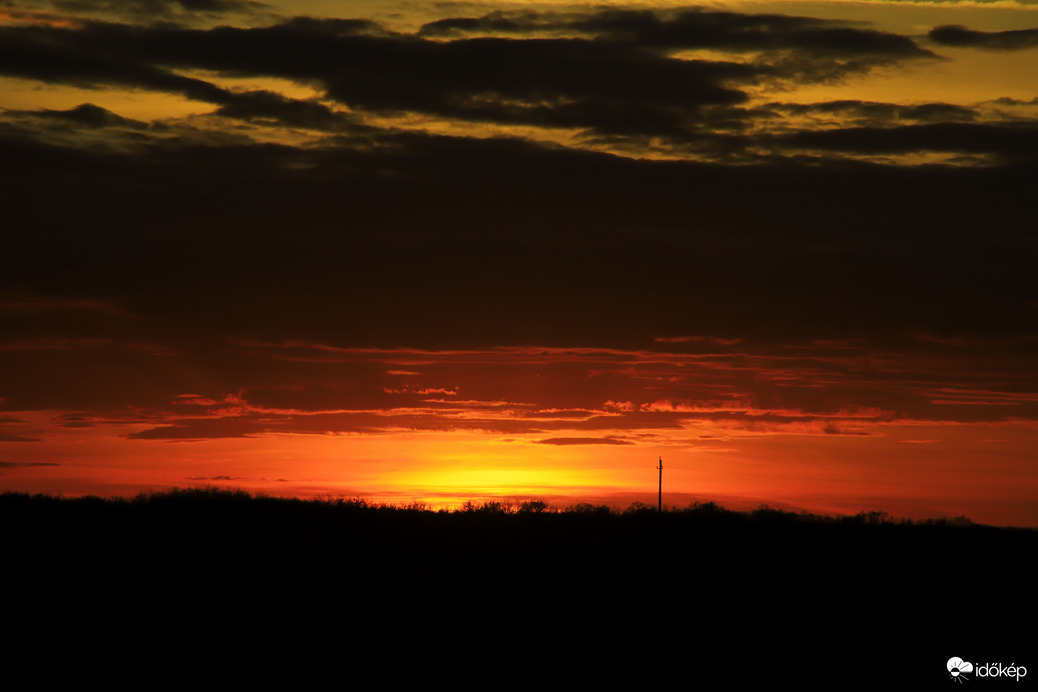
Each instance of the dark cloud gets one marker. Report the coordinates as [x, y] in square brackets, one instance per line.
[615, 79]
[693, 28]
[202, 429]
[801, 49]
[961, 37]
[269, 106]
[1008, 101]
[26, 464]
[80, 57]
[86, 115]
[15, 436]
[796, 48]
[584, 441]
[12, 437]
[384, 245]
[152, 10]
[544, 82]
[1010, 141]
[869, 112]
[75, 420]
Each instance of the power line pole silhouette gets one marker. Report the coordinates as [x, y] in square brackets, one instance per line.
[660, 506]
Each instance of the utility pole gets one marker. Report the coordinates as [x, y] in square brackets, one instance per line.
[660, 467]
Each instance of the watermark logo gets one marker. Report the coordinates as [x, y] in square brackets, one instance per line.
[958, 668]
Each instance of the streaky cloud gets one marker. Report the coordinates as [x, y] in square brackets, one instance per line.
[584, 441]
[961, 37]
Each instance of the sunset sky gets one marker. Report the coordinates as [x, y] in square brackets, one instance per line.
[449, 251]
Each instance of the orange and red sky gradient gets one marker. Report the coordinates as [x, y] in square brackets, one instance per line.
[523, 250]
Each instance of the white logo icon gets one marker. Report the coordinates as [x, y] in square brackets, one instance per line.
[957, 667]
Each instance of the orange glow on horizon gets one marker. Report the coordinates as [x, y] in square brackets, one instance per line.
[916, 471]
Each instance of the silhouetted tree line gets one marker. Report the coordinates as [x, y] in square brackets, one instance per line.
[492, 541]
[219, 563]
[217, 502]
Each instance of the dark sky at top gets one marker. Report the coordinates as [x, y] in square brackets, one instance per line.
[378, 235]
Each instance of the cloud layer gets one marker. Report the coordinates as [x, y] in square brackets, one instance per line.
[585, 230]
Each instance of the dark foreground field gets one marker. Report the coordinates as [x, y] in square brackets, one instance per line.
[698, 593]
